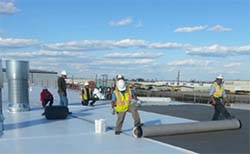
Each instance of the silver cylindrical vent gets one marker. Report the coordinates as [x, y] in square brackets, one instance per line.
[18, 87]
[1, 86]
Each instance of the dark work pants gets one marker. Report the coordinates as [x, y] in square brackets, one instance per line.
[219, 108]
[121, 117]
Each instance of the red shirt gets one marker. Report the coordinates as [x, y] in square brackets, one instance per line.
[45, 95]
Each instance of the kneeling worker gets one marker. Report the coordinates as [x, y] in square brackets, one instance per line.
[87, 95]
[46, 97]
[121, 99]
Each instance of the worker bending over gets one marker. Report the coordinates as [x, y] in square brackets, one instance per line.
[46, 97]
[121, 99]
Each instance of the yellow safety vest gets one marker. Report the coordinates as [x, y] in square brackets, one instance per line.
[218, 90]
[123, 101]
[85, 95]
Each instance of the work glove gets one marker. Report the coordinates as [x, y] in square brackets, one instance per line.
[113, 104]
[113, 111]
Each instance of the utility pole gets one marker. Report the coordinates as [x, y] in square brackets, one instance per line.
[178, 78]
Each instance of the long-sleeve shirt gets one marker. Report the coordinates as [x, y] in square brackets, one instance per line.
[61, 85]
[45, 95]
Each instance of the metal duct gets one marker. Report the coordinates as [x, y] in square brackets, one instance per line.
[1, 86]
[18, 88]
[193, 127]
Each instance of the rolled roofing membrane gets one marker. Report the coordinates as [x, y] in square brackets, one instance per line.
[190, 127]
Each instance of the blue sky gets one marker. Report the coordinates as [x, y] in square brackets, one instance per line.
[153, 39]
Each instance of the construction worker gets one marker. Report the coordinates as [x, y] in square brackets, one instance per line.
[87, 95]
[61, 83]
[217, 99]
[134, 95]
[46, 97]
[121, 99]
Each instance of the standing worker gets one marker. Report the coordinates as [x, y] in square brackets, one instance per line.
[217, 99]
[87, 95]
[121, 99]
[62, 89]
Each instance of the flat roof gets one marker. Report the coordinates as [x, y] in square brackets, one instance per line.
[30, 132]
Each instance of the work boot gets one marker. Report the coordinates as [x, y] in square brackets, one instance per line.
[118, 132]
[69, 112]
[92, 104]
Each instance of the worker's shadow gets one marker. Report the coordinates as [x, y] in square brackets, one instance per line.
[41, 121]
[147, 123]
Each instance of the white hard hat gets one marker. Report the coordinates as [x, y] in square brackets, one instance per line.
[119, 76]
[121, 85]
[86, 84]
[219, 76]
[63, 72]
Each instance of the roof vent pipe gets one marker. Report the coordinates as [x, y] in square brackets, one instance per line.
[1, 86]
[18, 88]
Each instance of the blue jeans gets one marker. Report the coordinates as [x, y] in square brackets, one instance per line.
[63, 100]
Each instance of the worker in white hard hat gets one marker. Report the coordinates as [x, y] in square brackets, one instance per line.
[61, 83]
[87, 95]
[121, 100]
[217, 99]
[117, 78]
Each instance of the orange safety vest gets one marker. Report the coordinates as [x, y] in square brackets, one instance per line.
[123, 101]
[218, 90]
[85, 95]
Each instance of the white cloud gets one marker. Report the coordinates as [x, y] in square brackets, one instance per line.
[232, 65]
[125, 62]
[217, 50]
[86, 45]
[40, 53]
[7, 8]
[167, 45]
[80, 45]
[122, 22]
[129, 43]
[189, 62]
[134, 55]
[17, 43]
[190, 29]
[95, 45]
[219, 28]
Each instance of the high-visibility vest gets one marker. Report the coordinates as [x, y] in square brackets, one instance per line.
[85, 95]
[123, 101]
[218, 90]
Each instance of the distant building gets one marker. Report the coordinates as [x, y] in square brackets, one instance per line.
[40, 78]
[237, 86]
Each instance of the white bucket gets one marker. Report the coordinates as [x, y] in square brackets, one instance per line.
[100, 126]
